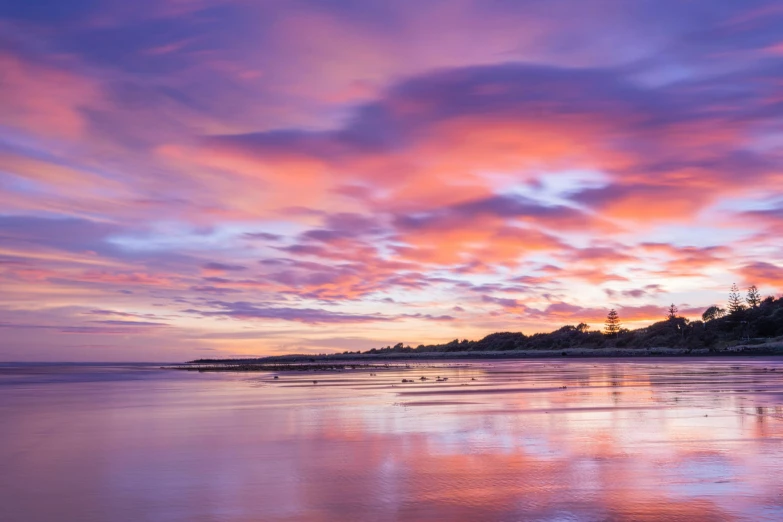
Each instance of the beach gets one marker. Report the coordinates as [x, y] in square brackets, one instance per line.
[545, 439]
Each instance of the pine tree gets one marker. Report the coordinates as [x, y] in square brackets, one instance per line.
[735, 300]
[754, 298]
[612, 322]
[672, 313]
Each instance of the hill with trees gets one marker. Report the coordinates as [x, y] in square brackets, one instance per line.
[749, 321]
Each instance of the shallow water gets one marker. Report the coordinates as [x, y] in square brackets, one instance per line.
[558, 440]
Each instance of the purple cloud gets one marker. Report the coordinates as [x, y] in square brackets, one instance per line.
[224, 267]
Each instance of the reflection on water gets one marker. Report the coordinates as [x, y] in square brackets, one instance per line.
[513, 440]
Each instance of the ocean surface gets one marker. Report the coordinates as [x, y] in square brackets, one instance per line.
[548, 440]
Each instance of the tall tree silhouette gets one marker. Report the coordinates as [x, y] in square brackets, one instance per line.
[754, 298]
[672, 313]
[735, 300]
[612, 326]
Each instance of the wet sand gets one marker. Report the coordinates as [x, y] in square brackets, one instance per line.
[651, 439]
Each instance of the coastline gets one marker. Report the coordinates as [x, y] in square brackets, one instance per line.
[366, 360]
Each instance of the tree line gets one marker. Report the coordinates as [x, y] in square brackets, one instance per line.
[736, 305]
[748, 319]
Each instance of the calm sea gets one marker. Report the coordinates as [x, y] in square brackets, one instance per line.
[648, 439]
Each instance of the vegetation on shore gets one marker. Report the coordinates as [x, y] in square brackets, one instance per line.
[752, 321]
[748, 321]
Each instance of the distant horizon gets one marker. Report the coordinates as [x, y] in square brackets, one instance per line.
[593, 325]
[313, 353]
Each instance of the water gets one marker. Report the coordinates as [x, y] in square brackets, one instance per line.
[526, 440]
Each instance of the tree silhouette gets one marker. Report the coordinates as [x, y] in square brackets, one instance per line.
[754, 298]
[713, 312]
[612, 326]
[735, 300]
[672, 313]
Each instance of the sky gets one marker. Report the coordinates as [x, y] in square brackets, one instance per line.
[210, 178]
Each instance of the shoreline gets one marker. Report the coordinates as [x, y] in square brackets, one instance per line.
[233, 366]
[367, 360]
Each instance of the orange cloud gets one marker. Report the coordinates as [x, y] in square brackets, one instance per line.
[30, 102]
[762, 273]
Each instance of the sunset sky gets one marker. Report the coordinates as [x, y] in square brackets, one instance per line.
[206, 178]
